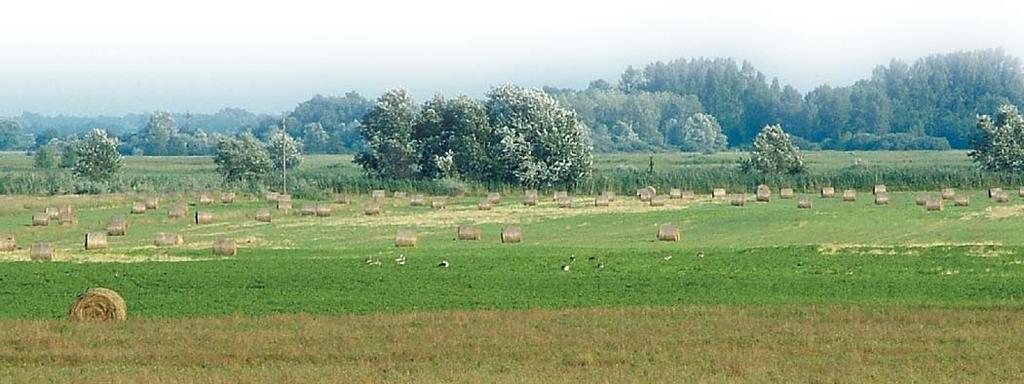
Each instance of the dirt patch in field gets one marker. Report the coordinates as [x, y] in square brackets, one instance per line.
[996, 213]
[982, 249]
[95, 257]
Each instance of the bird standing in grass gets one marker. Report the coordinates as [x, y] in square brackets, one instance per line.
[600, 266]
[443, 264]
[400, 259]
[565, 268]
[572, 258]
[667, 258]
[700, 254]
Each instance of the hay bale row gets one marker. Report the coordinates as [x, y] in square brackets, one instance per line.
[565, 202]
[658, 200]
[921, 199]
[962, 201]
[202, 218]
[417, 200]
[309, 210]
[94, 241]
[439, 202]
[42, 252]
[40, 219]
[879, 188]
[934, 204]
[718, 193]
[993, 192]
[284, 205]
[668, 232]
[405, 238]
[152, 203]
[511, 234]
[118, 226]
[882, 198]
[342, 198]
[8, 244]
[1002, 197]
[225, 247]
[764, 194]
[850, 195]
[738, 200]
[177, 211]
[205, 199]
[263, 215]
[675, 193]
[803, 203]
[227, 197]
[601, 201]
[98, 304]
[469, 232]
[372, 209]
[787, 193]
[164, 239]
[138, 208]
[947, 194]
[828, 192]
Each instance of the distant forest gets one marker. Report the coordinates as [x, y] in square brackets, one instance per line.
[932, 103]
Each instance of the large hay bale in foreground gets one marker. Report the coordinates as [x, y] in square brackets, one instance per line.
[601, 201]
[484, 205]
[263, 215]
[469, 232]
[879, 188]
[118, 226]
[342, 198]
[921, 199]
[152, 202]
[675, 193]
[993, 192]
[738, 200]
[98, 304]
[494, 198]
[164, 239]
[378, 194]
[205, 199]
[138, 208]
[417, 200]
[787, 193]
[438, 202]
[850, 195]
[828, 192]
[8, 244]
[947, 193]
[227, 197]
[565, 202]
[882, 198]
[511, 234]
[803, 203]
[40, 219]
[94, 241]
[718, 193]
[658, 200]
[42, 252]
[962, 201]
[668, 232]
[203, 218]
[530, 197]
[372, 209]
[934, 204]
[225, 247]
[405, 238]
[177, 211]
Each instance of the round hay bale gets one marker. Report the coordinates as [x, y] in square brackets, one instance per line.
[803, 203]
[405, 238]
[94, 241]
[764, 194]
[934, 204]
[947, 193]
[42, 252]
[177, 211]
[1021, 192]
[560, 194]
[284, 205]
[399, 195]
[646, 194]
[530, 198]
[67, 218]
[417, 200]
[718, 193]
[879, 188]
[225, 247]
[1002, 197]
[738, 200]
[469, 232]
[675, 193]
[610, 195]
[511, 234]
[494, 198]
[98, 304]
[342, 198]
[40, 219]
[601, 201]
[205, 199]
[227, 197]
[152, 202]
[993, 192]
[118, 226]
[8, 244]
[323, 210]
[309, 210]
[484, 205]
[203, 218]
[668, 232]
[658, 201]
[787, 193]
[53, 213]
[850, 195]
[438, 202]
[283, 197]
[263, 215]
[921, 199]
[138, 208]
[962, 201]
[271, 196]
[882, 198]
[164, 239]
[378, 194]
[828, 192]
[565, 202]
[372, 209]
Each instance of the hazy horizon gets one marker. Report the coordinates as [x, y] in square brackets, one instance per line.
[114, 57]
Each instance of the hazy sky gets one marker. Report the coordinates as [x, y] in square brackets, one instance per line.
[119, 56]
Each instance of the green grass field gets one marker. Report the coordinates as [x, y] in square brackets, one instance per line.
[855, 291]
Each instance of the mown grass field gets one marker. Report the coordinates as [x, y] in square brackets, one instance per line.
[845, 291]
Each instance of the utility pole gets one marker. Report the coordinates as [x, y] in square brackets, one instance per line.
[284, 154]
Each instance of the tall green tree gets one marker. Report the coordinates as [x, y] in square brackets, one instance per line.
[773, 153]
[281, 146]
[97, 156]
[242, 159]
[47, 156]
[999, 145]
[387, 131]
[698, 133]
[10, 131]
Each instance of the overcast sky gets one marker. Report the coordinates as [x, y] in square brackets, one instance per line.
[119, 56]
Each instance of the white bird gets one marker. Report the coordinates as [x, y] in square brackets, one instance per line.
[700, 254]
[444, 264]
[400, 259]
[600, 266]
[572, 258]
[375, 263]
[565, 268]
[667, 258]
